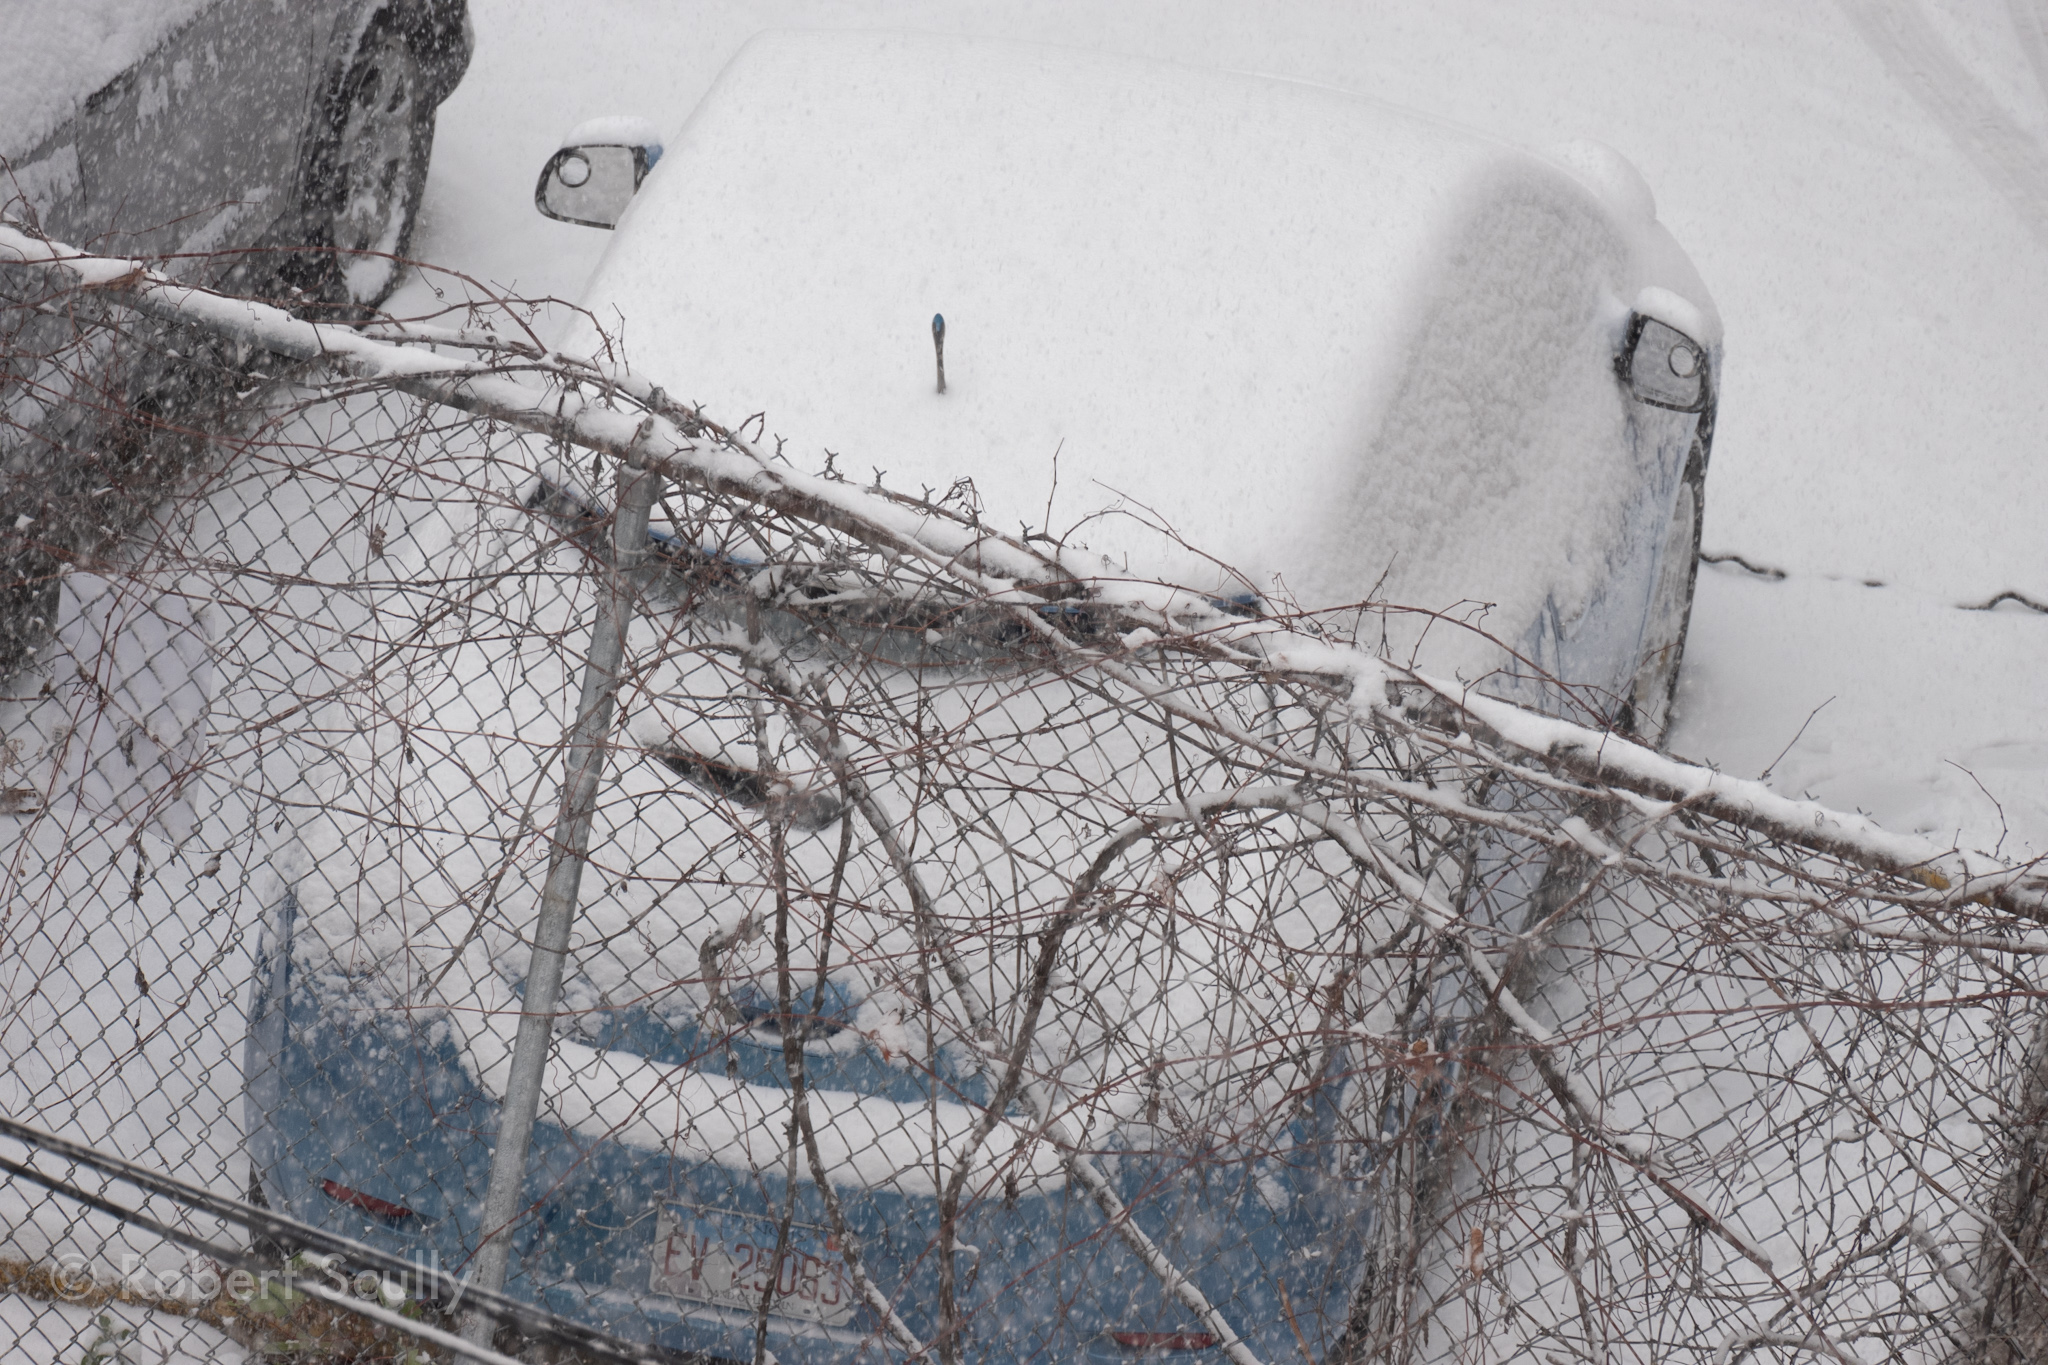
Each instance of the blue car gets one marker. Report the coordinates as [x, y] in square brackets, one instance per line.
[1244, 336]
[371, 1124]
[1359, 356]
[1191, 1048]
[660, 1178]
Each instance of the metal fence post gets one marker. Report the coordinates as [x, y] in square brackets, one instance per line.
[587, 744]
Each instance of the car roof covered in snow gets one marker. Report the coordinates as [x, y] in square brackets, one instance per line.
[53, 56]
[1313, 334]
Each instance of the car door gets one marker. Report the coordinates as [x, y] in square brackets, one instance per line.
[197, 146]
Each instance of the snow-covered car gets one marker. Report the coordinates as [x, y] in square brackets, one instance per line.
[1348, 351]
[199, 128]
[1352, 353]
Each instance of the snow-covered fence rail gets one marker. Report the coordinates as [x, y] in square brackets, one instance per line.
[975, 953]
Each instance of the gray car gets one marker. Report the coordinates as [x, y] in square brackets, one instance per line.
[299, 130]
[265, 148]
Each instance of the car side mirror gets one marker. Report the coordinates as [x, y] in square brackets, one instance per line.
[593, 177]
[1663, 367]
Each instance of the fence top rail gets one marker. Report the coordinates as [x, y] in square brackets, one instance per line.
[604, 408]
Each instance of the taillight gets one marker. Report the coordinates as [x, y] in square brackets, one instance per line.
[1163, 1341]
[368, 1203]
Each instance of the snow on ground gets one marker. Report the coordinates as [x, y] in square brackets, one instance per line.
[124, 1028]
[1883, 700]
[37, 1333]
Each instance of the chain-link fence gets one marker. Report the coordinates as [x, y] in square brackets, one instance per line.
[474, 821]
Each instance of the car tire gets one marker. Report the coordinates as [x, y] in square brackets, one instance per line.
[370, 169]
[1647, 710]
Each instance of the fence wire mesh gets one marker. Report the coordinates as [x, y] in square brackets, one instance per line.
[970, 959]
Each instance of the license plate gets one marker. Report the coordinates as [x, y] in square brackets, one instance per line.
[728, 1259]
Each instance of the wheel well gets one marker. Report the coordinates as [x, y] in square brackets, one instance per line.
[438, 32]
[417, 23]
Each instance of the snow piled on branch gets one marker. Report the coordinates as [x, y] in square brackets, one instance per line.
[1004, 570]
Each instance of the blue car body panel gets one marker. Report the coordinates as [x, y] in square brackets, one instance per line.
[350, 1101]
